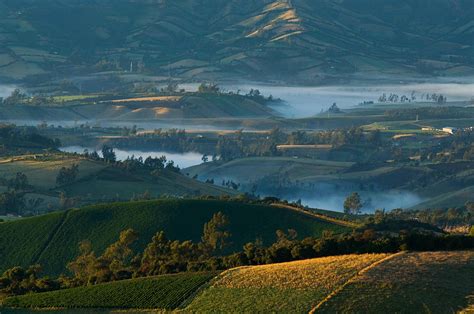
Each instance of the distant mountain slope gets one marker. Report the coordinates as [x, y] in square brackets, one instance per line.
[287, 40]
[54, 237]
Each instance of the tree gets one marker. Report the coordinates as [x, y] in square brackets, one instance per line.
[11, 202]
[215, 234]
[20, 182]
[83, 267]
[208, 88]
[156, 255]
[15, 98]
[353, 204]
[67, 175]
[119, 254]
[108, 154]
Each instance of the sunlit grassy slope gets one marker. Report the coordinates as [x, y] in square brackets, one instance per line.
[439, 282]
[294, 287]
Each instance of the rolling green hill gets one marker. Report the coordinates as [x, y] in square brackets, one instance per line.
[53, 241]
[280, 39]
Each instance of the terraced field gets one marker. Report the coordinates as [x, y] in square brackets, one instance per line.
[166, 292]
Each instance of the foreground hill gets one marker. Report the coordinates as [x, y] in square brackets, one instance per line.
[51, 240]
[434, 282]
[280, 39]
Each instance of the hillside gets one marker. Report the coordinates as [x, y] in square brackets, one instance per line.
[436, 185]
[297, 40]
[407, 282]
[143, 109]
[96, 181]
[53, 241]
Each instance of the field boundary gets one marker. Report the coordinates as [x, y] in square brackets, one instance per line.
[353, 279]
[51, 236]
[186, 302]
[333, 220]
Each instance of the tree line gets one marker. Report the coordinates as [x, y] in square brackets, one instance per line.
[381, 234]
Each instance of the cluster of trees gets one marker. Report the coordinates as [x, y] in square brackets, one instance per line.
[209, 88]
[394, 98]
[336, 137]
[15, 98]
[13, 137]
[13, 201]
[164, 256]
[430, 113]
[67, 175]
[442, 217]
[133, 163]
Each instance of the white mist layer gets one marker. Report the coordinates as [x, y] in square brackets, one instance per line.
[373, 200]
[183, 160]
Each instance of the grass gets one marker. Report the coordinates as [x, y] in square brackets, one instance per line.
[248, 169]
[293, 287]
[165, 292]
[43, 173]
[98, 181]
[22, 241]
[432, 282]
[180, 219]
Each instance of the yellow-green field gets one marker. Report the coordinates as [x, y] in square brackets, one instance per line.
[294, 287]
[432, 282]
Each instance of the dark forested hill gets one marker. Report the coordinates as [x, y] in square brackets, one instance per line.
[299, 40]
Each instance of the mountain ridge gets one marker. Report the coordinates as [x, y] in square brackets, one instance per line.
[286, 40]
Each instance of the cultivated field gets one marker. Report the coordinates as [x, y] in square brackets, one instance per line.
[432, 282]
[294, 287]
[165, 292]
[54, 238]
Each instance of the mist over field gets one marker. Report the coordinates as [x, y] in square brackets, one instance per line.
[6, 90]
[308, 101]
[387, 200]
[182, 160]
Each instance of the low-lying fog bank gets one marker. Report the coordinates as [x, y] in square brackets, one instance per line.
[387, 200]
[309, 101]
[183, 160]
[6, 90]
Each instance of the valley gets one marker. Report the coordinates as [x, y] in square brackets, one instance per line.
[283, 156]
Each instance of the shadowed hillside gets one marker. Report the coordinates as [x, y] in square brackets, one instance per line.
[281, 39]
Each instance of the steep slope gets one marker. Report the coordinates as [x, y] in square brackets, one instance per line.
[180, 219]
[288, 40]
